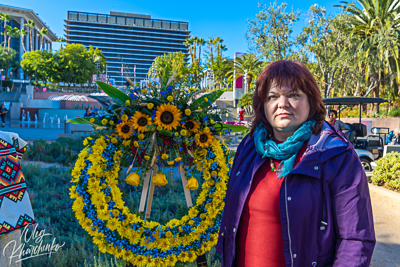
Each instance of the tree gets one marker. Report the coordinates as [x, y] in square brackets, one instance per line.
[30, 25]
[22, 33]
[42, 33]
[174, 63]
[376, 24]
[8, 59]
[12, 33]
[249, 64]
[270, 34]
[5, 18]
[324, 38]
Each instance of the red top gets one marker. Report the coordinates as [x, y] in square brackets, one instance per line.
[241, 114]
[259, 239]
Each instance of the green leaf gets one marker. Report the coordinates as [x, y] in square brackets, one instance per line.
[112, 91]
[85, 120]
[235, 128]
[212, 97]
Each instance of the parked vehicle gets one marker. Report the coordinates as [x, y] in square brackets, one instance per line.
[364, 143]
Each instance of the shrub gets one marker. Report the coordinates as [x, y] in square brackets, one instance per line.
[395, 112]
[387, 171]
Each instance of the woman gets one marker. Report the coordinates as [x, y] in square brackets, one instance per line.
[88, 113]
[3, 113]
[297, 193]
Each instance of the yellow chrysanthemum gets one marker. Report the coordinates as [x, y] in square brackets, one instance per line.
[124, 117]
[183, 132]
[92, 120]
[150, 105]
[204, 140]
[104, 121]
[164, 156]
[192, 126]
[168, 116]
[170, 98]
[140, 121]
[124, 129]
[141, 136]
[188, 112]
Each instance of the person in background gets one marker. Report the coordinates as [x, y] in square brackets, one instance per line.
[338, 125]
[3, 113]
[88, 113]
[241, 114]
[396, 137]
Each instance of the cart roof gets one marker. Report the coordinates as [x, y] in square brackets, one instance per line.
[352, 100]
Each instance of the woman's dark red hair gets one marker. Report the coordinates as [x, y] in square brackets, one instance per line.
[298, 77]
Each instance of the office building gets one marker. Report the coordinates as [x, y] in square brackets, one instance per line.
[20, 16]
[130, 42]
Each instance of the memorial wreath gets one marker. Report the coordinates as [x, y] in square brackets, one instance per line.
[148, 131]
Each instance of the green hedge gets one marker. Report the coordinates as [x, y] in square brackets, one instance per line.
[387, 172]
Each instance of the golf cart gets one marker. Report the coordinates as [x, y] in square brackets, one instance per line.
[365, 143]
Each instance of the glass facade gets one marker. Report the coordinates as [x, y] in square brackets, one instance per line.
[133, 40]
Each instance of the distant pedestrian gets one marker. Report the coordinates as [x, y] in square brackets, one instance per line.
[241, 114]
[338, 125]
[88, 113]
[3, 112]
[396, 137]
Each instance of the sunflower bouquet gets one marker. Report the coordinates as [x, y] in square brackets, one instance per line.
[160, 125]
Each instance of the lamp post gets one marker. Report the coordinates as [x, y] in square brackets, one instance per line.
[1, 79]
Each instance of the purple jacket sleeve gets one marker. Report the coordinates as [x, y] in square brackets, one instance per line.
[352, 214]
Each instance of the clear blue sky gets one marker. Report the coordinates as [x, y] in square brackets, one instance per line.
[227, 19]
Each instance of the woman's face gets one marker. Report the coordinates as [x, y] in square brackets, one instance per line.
[286, 109]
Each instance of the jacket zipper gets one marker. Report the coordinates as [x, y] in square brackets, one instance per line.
[287, 216]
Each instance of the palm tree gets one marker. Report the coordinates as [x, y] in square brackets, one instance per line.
[42, 33]
[200, 42]
[249, 63]
[61, 41]
[22, 33]
[189, 43]
[6, 18]
[12, 33]
[31, 25]
[376, 18]
[211, 43]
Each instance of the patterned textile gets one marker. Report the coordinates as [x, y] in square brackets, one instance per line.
[15, 205]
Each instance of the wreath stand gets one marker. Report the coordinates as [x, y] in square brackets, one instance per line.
[146, 200]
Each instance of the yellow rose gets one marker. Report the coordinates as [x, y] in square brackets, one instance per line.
[124, 117]
[206, 130]
[176, 134]
[206, 99]
[133, 179]
[170, 98]
[188, 112]
[159, 128]
[104, 121]
[141, 136]
[127, 102]
[171, 162]
[91, 120]
[178, 159]
[114, 140]
[183, 132]
[212, 121]
[160, 179]
[111, 122]
[150, 105]
[136, 143]
[144, 91]
[192, 184]
[164, 156]
[146, 157]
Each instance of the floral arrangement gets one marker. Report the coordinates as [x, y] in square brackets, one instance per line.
[162, 126]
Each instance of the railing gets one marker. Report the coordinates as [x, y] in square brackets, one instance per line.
[131, 21]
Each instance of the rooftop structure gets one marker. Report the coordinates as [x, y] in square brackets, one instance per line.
[130, 42]
[20, 16]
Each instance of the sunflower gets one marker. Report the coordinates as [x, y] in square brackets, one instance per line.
[168, 116]
[192, 126]
[124, 129]
[140, 121]
[204, 140]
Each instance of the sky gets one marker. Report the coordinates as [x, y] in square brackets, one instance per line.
[227, 19]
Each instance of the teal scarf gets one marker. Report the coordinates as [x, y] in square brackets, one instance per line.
[287, 151]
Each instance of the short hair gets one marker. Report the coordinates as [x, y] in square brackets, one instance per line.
[300, 78]
[333, 111]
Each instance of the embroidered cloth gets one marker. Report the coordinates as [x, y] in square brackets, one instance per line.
[15, 205]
